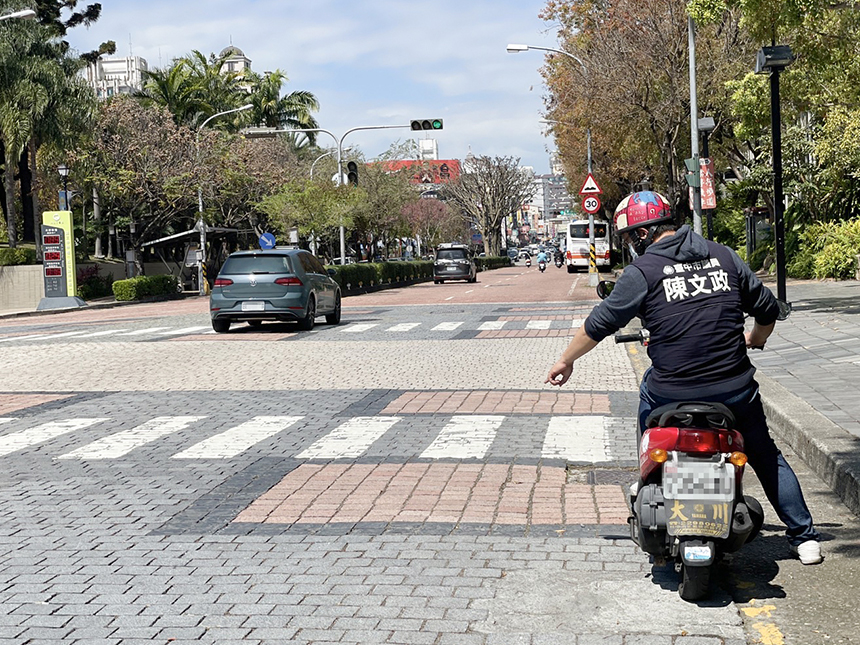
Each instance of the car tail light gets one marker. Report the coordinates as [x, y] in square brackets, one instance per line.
[569, 255]
[223, 282]
[698, 441]
[289, 281]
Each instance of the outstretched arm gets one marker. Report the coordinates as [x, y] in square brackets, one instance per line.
[580, 345]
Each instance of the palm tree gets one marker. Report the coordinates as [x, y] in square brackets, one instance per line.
[293, 110]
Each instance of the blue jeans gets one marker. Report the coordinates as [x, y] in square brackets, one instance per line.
[776, 476]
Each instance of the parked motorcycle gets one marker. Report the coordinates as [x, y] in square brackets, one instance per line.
[688, 505]
[542, 266]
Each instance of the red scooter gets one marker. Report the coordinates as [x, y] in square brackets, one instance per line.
[688, 504]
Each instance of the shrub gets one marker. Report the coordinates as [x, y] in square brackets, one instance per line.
[836, 260]
[92, 285]
[14, 257]
[492, 262]
[144, 286]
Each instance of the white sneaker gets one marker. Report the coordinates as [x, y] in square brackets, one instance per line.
[809, 552]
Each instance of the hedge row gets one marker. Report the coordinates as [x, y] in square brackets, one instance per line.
[492, 262]
[13, 257]
[352, 276]
[143, 286]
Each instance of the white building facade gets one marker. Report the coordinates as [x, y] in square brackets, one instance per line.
[120, 75]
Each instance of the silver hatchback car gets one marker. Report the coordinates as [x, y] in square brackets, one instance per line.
[277, 284]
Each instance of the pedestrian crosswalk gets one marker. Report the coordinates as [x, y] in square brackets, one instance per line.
[349, 328]
[586, 438]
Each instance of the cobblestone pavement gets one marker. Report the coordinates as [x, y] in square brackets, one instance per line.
[384, 486]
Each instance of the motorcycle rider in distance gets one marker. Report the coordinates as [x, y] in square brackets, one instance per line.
[691, 295]
[541, 257]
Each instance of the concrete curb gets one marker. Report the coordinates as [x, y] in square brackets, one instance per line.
[830, 451]
[96, 305]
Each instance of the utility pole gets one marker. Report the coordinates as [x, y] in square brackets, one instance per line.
[694, 130]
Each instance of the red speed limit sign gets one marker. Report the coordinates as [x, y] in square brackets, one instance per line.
[591, 204]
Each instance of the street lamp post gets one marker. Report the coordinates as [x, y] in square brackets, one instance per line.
[772, 60]
[24, 14]
[515, 48]
[268, 132]
[63, 169]
[201, 225]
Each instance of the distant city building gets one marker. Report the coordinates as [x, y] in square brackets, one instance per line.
[433, 171]
[428, 149]
[111, 76]
[236, 60]
[555, 165]
[555, 201]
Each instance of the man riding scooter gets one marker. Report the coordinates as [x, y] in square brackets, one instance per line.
[692, 295]
[542, 259]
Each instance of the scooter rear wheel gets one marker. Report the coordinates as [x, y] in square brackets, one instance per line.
[694, 582]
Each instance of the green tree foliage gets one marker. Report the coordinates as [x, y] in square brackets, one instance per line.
[379, 216]
[315, 208]
[488, 190]
[143, 167]
[42, 101]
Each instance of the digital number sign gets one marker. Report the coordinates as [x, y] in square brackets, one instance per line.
[53, 272]
[55, 256]
[50, 239]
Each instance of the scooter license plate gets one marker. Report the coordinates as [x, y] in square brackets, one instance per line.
[709, 481]
[698, 517]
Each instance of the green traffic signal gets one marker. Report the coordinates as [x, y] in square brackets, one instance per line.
[426, 124]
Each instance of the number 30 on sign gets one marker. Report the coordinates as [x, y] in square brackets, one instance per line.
[591, 205]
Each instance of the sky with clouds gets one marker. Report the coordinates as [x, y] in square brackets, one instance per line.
[369, 62]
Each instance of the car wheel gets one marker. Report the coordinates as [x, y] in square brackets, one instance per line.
[255, 323]
[334, 317]
[307, 323]
[221, 326]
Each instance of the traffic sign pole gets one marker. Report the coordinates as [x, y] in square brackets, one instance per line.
[591, 205]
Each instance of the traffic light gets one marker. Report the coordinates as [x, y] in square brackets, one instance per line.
[352, 173]
[426, 124]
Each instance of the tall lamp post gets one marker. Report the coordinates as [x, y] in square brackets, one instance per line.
[772, 60]
[201, 225]
[63, 169]
[515, 48]
[24, 14]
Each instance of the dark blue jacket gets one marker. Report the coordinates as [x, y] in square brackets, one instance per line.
[692, 296]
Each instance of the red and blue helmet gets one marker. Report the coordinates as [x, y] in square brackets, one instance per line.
[641, 210]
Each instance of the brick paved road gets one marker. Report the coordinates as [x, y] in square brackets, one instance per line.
[407, 483]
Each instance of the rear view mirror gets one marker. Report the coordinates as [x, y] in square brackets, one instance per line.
[604, 288]
[332, 272]
[784, 309]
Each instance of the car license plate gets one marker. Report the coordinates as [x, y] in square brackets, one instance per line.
[254, 306]
[450, 268]
[709, 481]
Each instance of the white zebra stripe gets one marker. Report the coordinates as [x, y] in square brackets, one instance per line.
[464, 437]
[349, 439]
[576, 439]
[122, 443]
[237, 440]
[25, 438]
[491, 325]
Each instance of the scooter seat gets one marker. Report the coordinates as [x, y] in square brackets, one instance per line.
[691, 414]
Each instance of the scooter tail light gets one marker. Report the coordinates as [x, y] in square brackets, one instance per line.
[739, 459]
[658, 455]
[698, 441]
[223, 282]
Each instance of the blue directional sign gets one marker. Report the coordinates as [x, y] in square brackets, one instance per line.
[267, 241]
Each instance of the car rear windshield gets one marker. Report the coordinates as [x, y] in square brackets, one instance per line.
[452, 254]
[581, 230]
[245, 264]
